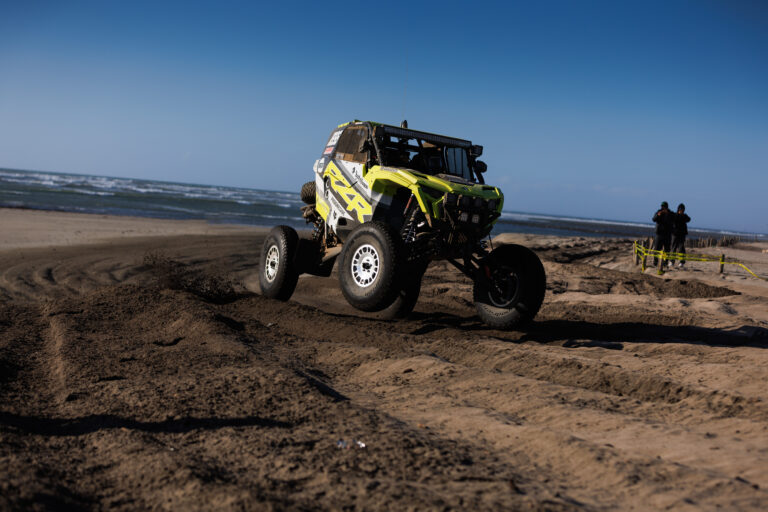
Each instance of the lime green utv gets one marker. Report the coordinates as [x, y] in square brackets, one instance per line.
[385, 202]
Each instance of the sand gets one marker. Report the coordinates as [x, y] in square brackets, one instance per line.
[34, 228]
[145, 372]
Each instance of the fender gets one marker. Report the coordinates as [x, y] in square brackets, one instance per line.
[355, 202]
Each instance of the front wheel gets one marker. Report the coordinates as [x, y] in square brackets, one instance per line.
[277, 275]
[369, 267]
[509, 287]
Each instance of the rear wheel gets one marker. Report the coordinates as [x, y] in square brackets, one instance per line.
[277, 275]
[369, 267]
[510, 287]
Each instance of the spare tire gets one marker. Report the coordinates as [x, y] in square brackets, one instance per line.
[308, 192]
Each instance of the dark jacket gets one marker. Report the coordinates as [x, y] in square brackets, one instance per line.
[664, 220]
[680, 224]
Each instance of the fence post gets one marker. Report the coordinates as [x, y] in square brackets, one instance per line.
[722, 262]
[661, 264]
[634, 250]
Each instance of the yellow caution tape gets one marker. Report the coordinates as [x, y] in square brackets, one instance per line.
[642, 251]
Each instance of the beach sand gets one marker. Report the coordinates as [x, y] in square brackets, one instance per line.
[35, 228]
[140, 369]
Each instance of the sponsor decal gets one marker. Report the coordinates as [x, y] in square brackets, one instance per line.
[328, 150]
[336, 206]
[357, 171]
[355, 202]
[334, 138]
[322, 208]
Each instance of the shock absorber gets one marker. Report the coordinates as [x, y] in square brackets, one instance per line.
[409, 228]
[317, 231]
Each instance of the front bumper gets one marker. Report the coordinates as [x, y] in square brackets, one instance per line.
[465, 211]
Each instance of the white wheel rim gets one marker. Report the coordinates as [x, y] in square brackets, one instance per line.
[272, 263]
[365, 265]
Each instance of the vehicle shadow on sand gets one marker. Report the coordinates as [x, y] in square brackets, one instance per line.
[96, 422]
[580, 333]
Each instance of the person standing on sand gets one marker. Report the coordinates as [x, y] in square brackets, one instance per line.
[679, 232]
[663, 219]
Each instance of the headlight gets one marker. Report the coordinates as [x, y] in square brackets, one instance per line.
[463, 216]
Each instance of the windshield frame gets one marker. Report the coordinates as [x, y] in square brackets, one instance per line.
[418, 151]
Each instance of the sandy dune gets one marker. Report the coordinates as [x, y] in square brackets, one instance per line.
[124, 389]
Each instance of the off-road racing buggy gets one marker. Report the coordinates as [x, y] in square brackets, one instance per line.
[385, 202]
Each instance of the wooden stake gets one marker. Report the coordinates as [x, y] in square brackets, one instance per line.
[634, 250]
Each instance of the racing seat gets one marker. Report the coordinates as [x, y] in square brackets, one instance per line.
[428, 160]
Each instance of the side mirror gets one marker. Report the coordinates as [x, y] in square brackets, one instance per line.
[480, 166]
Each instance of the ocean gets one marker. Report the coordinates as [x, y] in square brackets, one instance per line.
[234, 205]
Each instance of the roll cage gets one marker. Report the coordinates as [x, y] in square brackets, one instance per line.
[392, 146]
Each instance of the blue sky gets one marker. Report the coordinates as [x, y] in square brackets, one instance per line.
[594, 109]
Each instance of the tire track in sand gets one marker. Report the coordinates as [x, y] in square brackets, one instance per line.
[55, 338]
[603, 433]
